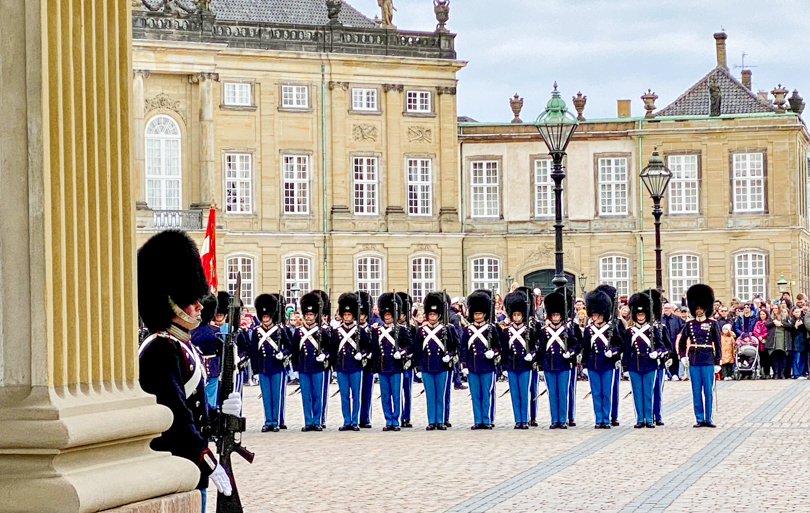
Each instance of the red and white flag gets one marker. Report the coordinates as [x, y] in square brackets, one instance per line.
[208, 254]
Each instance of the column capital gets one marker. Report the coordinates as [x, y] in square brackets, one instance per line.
[446, 90]
[143, 73]
[393, 87]
[202, 77]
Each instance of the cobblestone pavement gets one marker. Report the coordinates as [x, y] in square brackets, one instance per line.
[754, 461]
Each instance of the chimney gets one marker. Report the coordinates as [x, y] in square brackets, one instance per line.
[623, 108]
[746, 78]
[720, 42]
[763, 95]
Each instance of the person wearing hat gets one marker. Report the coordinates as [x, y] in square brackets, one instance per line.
[171, 283]
[325, 322]
[407, 375]
[206, 338]
[559, 345]
[242, 342]
[618, 327]
[533, 297]
[601, 350]
[479, 350]
[664, 357]
[270, 352]
[435, 353]
[643, 346]
[699, 346]
[391, 344]
[518, 341]
[352, 349]
[311, 346]
[367, 380]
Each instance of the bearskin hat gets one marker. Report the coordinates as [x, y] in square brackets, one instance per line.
[407, 302]
[700, 295]
[365, 302]
[479, 301]
[435, 303]
[516, 302]
[169, 270]
[267, 304]
[598, 302]
[209, 310]
[389, 303]
[529, 297]
[326, 305]
[640, 302]
[311, 303]
[555, 303]
[223, 301]
[348, 302]
[657, 302]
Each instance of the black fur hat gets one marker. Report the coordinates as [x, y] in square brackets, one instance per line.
[516, 302]
[365, 303]
[223, 300]
[407, 302]
[700, 295]
[598, 302]
[266, 304]
[389, 303]
[311, 303]
[555, 303]
[640, 302]
[657, 302]
[435, 303]
[529, 292]
[348, 302]
[169, 268]
[326, 304]
[479, 301]
[209, 304]
[611, 292]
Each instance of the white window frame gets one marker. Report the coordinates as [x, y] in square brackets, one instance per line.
[684, 271]
[424, 271]
[747, 282]
[247, 265]
[485, 199]
[615, 270]
[365, 99]
[365, 185]
[420, 186]
[748, 182]
[683, 194]
[419, 102]
[610, 188]
[294, 96]
[369, 274]
[295, 186]
[298, 270]
[238, 183]
[543, 189]
[157, 175]
[237, 94]
[486, 273]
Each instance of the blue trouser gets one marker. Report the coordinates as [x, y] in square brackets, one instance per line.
[572, 395]
[601, 387]
[272, 386]
[212, 392]
[658, 392]
[492, 398]
[702, 377]
[327, 377]
[534, 381]
[312, 396]
[283, 404]
[204, 495]
[799, 359]
[557, 384]
[481, 385]
[350, 384]
[448, 387]
[614, 395]
[642, 383]
[407, 386]
[365, 396]
[435, 384]
[520, 391]
[391, 395]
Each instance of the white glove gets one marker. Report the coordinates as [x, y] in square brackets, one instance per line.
[321, 357]
[608, 353]
[232, 405]
[490, 354]
[618, 364]
[528, 357]
[568, 354]
[716, 368]
[465, 371]
[654, 355]
[446, 358]
[358, 356]
[221, 480]
[684, 360]
[397, 356]
[279, 356]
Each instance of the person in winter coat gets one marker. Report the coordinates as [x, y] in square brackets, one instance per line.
[744, 324]
[727, 349]
[760, 332]
[780, 341]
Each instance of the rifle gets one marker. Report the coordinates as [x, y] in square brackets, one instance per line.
[364, 361]
[226, 426]
[445, 320]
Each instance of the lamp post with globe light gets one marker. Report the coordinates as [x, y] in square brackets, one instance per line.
[656, 178]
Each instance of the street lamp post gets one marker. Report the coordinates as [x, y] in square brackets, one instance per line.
[656, 178]
[294, 289]
[557, 126]
[582, 281]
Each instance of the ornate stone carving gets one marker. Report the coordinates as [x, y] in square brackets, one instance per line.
[649, 102]
[424, 247]
[140, 73]
[387, 12]
[393, 87]
[442, 10]
[715, 97]
[516, 104]
[370, 247]
[201, 77]
[579, 103]
[365, 132]
[796, 102]
[333, 11]
[779, 94]
[163, 101]
[342, 85]
[446, 90]
[420, 134]
[545, 254]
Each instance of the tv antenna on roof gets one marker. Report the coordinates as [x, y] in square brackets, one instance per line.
[742, 63]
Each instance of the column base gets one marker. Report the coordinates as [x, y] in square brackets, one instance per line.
[202, 205]
[142, 205]
[186, 502]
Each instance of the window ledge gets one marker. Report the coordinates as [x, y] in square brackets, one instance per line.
[419, 114]
[366, 112]
[238, 107]
[296, 109]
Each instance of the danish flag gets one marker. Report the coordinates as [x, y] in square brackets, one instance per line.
[208, 254]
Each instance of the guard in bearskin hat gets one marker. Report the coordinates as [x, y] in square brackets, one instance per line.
[326, 321]
[699, 348]
[367, 383]
[559, 345]
[571, 408]
[171, 284]
[642, 349]
[207, 339]
[519, 345]
[270, 351]
[480, 349]
[407, 375]
[288, 332]
[435, 352]
[352, 350]
[618, 327]
[392, 353]
[601, 354]
[664, 357]
[536, 315]
[311, 347]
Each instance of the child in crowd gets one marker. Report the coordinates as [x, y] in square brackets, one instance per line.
[727, 346]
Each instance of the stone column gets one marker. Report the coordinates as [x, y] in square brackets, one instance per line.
[75, 426]
[207, 156]
[139, 169]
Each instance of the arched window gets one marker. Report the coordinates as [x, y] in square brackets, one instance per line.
[423, 277]
[615, 271]
[750, 275]
[368, 272]
[297, 272]
[684, 271]
[163, 164]
[243, 264]
[486, 274]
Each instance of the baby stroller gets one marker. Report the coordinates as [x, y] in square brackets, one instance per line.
[746, 362]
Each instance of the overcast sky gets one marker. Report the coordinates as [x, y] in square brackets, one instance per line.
[609, 49]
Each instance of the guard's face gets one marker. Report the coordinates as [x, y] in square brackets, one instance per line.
[310, 317]
[266, 319]
[348, 318]
[597, 318]
[555, 318]
[699, 311]
[363, 318]
[433, 317]
[517, 317]
[479, 317]
[641, 317]
[388, 318]
[193, 310]
[219, 319]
